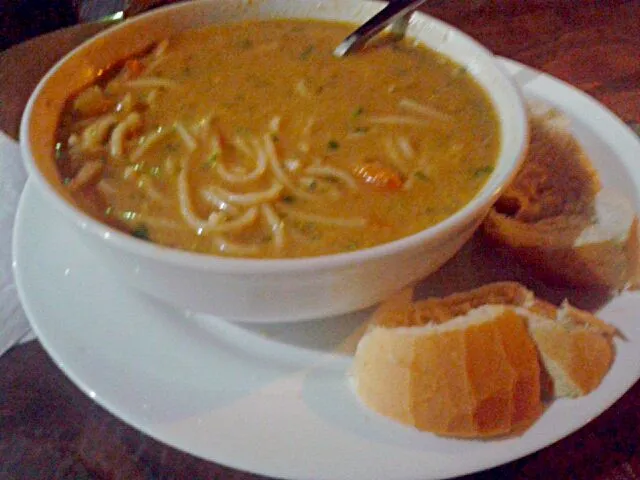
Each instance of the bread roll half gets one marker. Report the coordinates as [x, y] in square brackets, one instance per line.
[556, 219]
[479, 363]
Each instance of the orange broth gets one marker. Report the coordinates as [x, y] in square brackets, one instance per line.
[252, 139]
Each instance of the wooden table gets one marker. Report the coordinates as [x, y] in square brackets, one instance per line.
[49, 429]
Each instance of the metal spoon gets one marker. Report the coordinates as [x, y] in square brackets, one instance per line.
[396, 14]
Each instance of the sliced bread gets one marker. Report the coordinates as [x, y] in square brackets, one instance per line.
[478, 363]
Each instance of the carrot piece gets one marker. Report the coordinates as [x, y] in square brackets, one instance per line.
[379, 175]
[134, 68]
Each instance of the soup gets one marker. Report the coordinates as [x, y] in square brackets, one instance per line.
[252, 139]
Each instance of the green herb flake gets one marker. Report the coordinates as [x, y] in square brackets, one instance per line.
[275, 138]
[333, 145]
[312, 186]
[288, 199]
[306, 53]
[240, 130]
[420, 175]
[351, 246]
[482, 171]
[245, 44]
[58, 151]
[141, 232]
[66, 180]
[210, 162]
[361, 130]
[358, 111]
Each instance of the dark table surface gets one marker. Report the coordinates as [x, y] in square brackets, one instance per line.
[50, 430]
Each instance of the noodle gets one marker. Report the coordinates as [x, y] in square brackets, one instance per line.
[405, 147]
[146, 184]
[260, 159]
[278, 171]
[244, 220]
[186, 208]
[149, 141]
[87, 173]
[241, 144]
[312, 217]
[398, 162]
[125, 105]
[333, 172]
[150, 82]
[425, 110]
[274, 124]
[232, 248]
[94, 136]
[116, 143]
[106, 188]
[275, 224]
[217, 202]
[251, 198]
[400, 120]
[186, 137]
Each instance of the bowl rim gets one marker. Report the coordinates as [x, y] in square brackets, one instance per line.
[242, 265]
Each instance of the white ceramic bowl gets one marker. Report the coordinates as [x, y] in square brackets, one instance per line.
[266, 290]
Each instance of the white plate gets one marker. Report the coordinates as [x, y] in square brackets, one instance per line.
[275, 399]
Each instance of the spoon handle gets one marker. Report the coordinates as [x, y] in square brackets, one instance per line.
[398, 10]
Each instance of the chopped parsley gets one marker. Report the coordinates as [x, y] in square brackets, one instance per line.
[141, 232]
[351, 246]
[58, 154]
[210, 162]
[420, 175]
[482, 171]
[333, 145]
[306, 53]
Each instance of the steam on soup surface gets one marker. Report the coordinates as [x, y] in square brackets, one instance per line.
[251, 139]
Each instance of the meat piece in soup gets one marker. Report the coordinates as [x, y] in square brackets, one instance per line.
[252, 139]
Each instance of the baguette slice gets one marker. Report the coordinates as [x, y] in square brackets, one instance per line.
[477, 376]
[576, 352]
[557, 220]
[477, 364]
